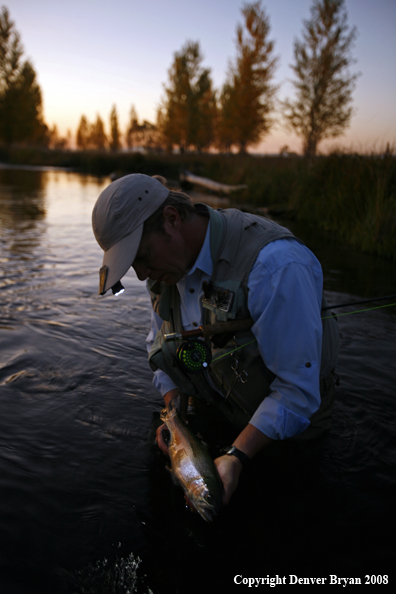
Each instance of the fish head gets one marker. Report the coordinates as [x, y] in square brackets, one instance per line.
[204, 502]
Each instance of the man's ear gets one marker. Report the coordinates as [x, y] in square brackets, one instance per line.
[171, 217]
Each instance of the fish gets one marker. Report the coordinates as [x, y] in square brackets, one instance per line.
[192, 466]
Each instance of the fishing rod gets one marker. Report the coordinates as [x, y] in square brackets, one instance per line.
[208, 330]
[195, 356]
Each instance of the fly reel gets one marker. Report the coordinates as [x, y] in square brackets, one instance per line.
[193, 356]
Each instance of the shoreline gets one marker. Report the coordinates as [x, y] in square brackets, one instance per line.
[349, 197]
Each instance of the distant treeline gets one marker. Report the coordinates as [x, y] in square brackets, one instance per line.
[192, 114]
[351, 197]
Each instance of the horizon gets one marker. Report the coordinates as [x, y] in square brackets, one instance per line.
[81, 54]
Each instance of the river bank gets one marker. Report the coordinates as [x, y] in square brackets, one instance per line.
[351, 197]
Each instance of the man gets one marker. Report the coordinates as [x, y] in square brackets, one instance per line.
[272, 379]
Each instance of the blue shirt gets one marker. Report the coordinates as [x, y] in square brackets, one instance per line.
[284, 299]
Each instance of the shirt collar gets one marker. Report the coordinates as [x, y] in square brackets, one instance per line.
[204, 261]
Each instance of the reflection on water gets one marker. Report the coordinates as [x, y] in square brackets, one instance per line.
[79, 471]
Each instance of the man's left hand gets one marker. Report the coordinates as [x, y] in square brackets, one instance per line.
[229, 469]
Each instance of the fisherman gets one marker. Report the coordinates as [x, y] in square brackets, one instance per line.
[274, 380]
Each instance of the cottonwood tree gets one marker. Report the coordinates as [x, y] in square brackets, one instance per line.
[56, 141]
[21, 111]
[132, 128]
[143, 135]
[323, 83]
[91, 136]
[115, 134]
[97, 136]
[247, 97]
[189, 108]
[82, 136]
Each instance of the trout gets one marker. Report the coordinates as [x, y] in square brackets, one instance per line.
[192, 465]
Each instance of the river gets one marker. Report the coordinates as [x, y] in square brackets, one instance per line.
[86, 503]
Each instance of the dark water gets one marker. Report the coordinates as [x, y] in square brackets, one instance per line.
[86, 505]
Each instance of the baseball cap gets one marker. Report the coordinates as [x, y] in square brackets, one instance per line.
[117, 221]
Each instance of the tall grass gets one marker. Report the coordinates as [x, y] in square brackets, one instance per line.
[351, 196]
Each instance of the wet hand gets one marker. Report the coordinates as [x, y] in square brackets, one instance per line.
[160, 439]
[229, 469]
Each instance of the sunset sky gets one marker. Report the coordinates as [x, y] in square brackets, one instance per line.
[91, 54]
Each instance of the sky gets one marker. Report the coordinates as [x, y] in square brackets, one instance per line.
[92, 54]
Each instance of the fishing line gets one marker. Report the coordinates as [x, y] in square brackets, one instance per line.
[360, 302]
[348, 313]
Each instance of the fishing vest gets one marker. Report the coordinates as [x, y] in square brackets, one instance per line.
[237, 379]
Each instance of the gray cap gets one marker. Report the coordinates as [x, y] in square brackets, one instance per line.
[117, 221]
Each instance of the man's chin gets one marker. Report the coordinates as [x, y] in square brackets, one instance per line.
[169, 279]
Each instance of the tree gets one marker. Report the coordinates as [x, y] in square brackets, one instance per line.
[83, 131]
[21, 117]
[115, 134]
[189, 108]
[324, 85]
[56, 141]
[131, 135]
[247, 97]
[97, 136]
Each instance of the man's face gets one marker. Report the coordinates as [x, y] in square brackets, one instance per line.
[162, 257]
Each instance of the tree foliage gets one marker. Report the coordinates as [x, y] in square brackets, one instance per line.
[143, 135]
[189, 108]
[132, 131]
[91, 136]
[115, 134]
[247, 98]
[323, 83]
[97, 137]
[21, 117]
[57, 142]
[82, 137]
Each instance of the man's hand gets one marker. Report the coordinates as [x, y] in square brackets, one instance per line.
[159, 438]
[229, 469]
[249, 441]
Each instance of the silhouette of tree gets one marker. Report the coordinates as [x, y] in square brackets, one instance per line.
[97, 136]
[115, 134]
[83, 132]
[21, 117]
[132, 129]
[56, 141]
[322, 106]
[189, 108]
[247, 97]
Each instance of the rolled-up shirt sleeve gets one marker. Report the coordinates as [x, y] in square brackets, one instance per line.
[284, 300]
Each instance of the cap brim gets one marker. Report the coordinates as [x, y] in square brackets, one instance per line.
[119, 257]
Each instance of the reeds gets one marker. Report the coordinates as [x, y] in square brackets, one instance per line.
[350, 196]
[353, 197]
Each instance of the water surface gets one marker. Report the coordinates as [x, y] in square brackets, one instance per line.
[80, 477]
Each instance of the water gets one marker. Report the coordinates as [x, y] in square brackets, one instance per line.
[86, 504]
